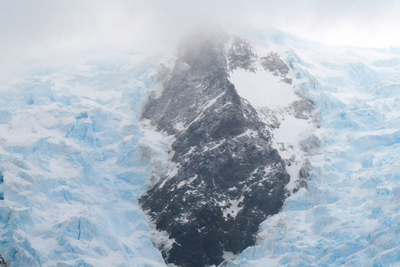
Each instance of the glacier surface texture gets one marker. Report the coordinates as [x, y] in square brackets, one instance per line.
[73, 164]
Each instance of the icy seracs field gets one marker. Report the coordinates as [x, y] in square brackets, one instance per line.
[350, 214]
[73, 164]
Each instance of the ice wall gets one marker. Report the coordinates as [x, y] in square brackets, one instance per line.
[73, 163]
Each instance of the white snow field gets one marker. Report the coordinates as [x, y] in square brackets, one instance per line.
[73, 163]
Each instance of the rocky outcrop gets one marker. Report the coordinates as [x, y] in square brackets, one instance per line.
[241, 55]
[3, 262]
[227, 177]
[274, 64]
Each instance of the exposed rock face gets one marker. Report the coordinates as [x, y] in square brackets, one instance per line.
[274, 64]
[241, 55]
[228, 178]
[3, 262]
[302, 109]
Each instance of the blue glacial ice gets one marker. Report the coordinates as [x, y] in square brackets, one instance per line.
[72, 166]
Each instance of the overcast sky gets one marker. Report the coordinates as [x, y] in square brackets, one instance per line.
[48, 29]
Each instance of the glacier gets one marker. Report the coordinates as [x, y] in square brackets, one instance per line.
[73, 163]
[349, 214]
[74, 159]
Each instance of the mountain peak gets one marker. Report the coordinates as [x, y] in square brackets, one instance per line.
[227, 177]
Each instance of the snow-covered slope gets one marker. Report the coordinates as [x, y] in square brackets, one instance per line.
[73, 164]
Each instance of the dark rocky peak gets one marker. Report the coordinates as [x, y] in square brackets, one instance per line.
[199, 76]
[241, 55]
[201, 49]
[226, 178]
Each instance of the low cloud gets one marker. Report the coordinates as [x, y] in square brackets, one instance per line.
[46, 30]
